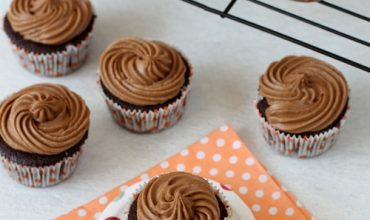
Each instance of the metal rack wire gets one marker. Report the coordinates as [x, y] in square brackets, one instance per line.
[226, 14]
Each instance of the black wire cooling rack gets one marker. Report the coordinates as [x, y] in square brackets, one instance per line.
[225, 13]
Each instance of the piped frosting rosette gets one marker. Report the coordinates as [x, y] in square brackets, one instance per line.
[307, 105]
[176, 196]
[142, 74]
[46, 120]
[53, 23]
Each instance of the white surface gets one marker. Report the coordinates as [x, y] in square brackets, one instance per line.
[228, 60]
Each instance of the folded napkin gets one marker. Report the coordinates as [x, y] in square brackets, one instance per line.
[223, 157]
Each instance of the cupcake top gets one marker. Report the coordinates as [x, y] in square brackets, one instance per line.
[50, 22]
[142, 72]
[44, 119]
[178, 196]
[304, 94]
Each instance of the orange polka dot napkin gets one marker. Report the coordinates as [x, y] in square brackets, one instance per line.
[223, 157]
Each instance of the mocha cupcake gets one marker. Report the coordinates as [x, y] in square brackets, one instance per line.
[145, 83]
[50, 37]
[42, 130]
[303, 105]
[172, 196]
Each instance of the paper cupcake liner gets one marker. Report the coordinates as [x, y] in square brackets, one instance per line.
[151, 121]
[39, 177]
[54, 64]
[300, 146]
[124, 210]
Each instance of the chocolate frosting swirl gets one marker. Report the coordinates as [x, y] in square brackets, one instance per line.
[51, 22]
[142, 72]
[304, 94]
[178, 196]
[44, 119]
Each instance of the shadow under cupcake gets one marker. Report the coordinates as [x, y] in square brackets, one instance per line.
[304, 104]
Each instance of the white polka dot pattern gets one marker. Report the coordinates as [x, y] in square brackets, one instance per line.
[221, 156]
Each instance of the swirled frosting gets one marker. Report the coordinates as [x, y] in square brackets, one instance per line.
[44, 119]
[142, 72]
[51, 22]
[178, 196]
[304, 94]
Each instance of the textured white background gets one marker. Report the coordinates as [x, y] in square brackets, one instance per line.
[228, 60]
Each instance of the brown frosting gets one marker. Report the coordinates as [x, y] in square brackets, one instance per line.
[178, 196]
[43, 119]
[142, 72]
[51, 22]
[304, 94]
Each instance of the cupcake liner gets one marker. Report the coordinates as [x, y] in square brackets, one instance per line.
[122, 204]
[54, 64]
[39, 177]
[300, 146]
[149, 121]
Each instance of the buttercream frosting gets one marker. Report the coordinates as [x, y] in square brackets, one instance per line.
[142, 72]
[178, 196]
[304, 94]
[51, 22]
[44, 119]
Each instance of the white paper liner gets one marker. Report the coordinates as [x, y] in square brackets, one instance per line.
[123, 203]
[39, 177]
[54, 64]
[151, 121]
[300, 146]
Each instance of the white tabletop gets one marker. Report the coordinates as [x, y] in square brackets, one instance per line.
[228, 60]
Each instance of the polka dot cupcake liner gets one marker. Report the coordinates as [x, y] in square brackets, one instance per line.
[54, 64]
[149, 121]
[300, 146]
[40, 177]
[119, 208]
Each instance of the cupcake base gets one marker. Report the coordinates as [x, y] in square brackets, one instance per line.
[149, 119]
[40, 170]
[40, 177]
[303, 145]
[47, 60]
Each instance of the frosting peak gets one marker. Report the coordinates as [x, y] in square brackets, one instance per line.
[304, 94]
[43, 119]
[46, 109]
[142, 72]
[178, 196]
[51, 22]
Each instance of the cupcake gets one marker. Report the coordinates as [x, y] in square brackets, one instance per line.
[42, 130]
[145, 83]
[303, 105]
[172, 196]
[50, 37]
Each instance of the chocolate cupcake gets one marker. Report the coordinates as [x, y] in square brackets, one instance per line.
[42, 130]
[145, 83]
[172, 196]
[303, 105]
[50, 37]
